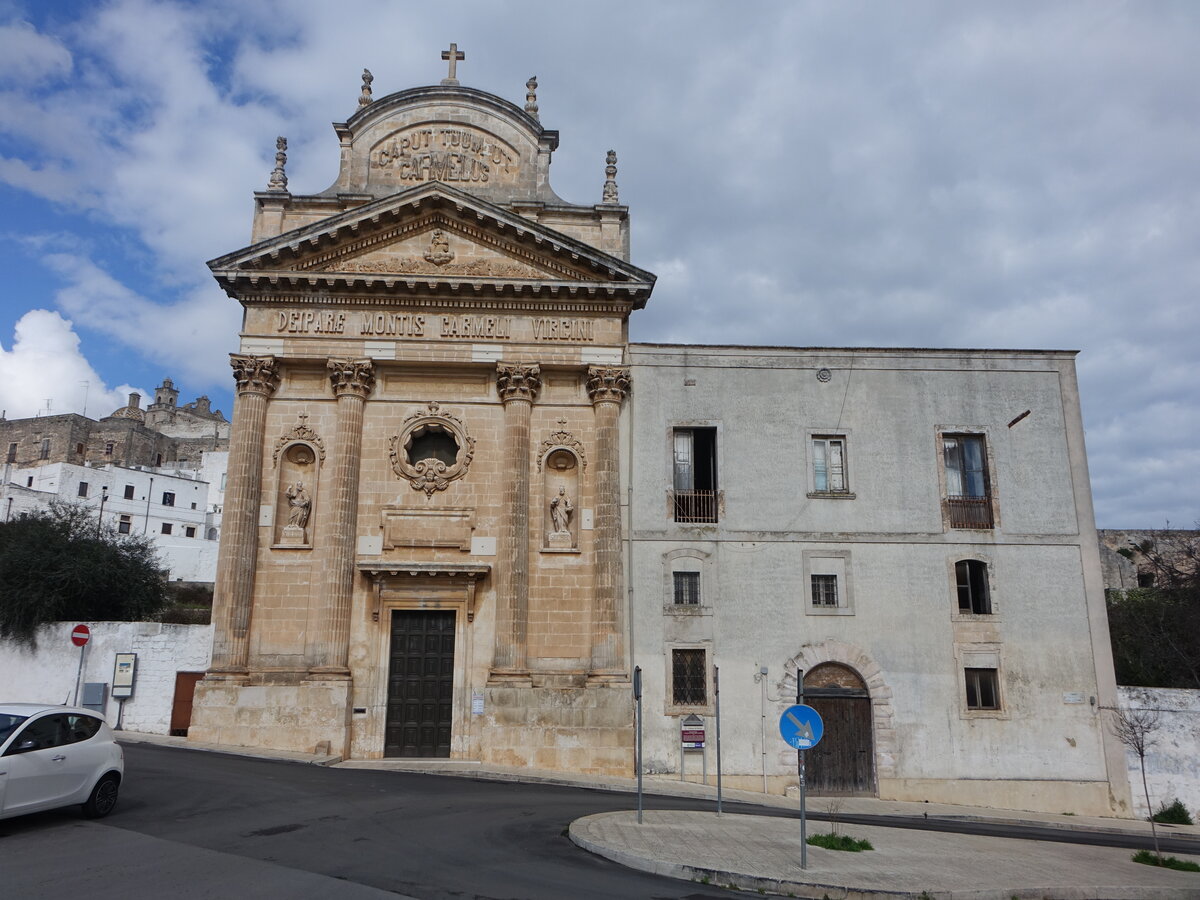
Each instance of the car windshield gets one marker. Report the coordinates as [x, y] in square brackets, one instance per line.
[8, 724]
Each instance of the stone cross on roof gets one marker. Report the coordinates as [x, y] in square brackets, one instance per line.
[453, 55]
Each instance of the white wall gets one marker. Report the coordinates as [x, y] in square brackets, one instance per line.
[1173, 760]
[47, 674]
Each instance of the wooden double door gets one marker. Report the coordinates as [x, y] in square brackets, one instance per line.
[844, 760]
[420, 684]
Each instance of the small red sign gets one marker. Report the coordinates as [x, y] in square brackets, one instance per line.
[691, 736]
[80, 635]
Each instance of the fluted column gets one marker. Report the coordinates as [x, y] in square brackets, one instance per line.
[518, 387]
[607, 386]
[233, 597]
[329, 646]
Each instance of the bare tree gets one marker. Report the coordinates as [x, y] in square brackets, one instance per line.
[1135, 729]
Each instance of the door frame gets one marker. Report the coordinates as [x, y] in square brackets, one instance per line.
[843, 693]
[399, 590]
[388, 673]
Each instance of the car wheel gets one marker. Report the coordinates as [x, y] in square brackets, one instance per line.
[103, 798]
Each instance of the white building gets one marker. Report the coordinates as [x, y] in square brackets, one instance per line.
[175, 507]
[914, 530]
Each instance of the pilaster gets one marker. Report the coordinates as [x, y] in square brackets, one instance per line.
[608, 387]
[257, 378]
[518, 386]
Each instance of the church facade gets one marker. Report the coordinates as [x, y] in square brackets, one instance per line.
[461, 507]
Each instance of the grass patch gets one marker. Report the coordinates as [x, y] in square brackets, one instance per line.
[1145, 857]
[1175, 814]
[839, 842]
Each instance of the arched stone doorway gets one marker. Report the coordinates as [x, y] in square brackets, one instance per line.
[844, 760]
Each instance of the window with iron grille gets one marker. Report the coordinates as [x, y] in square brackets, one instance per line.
[168, 498]
[968, 492]
[971, 576]
[824, 590]
[983, 689]
[108, 448]
[83, 489]
[694, 474]
[166, 528]
[688, 677]
[687, 588]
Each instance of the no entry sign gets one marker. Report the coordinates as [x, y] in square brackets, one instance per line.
[80, 635]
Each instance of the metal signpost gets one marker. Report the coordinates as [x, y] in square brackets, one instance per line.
[802, 728]
[80, 635]
[637, 696]
[717, 696]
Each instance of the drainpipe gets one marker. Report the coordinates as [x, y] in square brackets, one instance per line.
[149, 494]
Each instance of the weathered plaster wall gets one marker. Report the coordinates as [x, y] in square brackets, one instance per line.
[46, 673]
[1173, 760]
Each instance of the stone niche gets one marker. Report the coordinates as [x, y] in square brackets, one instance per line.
[560, 500]
[298, 464]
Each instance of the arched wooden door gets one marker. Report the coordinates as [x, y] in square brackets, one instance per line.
[844, 761]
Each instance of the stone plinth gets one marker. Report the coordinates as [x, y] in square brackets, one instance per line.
[295, 717]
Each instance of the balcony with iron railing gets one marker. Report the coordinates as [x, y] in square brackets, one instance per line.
[970, 512]
[695, 506]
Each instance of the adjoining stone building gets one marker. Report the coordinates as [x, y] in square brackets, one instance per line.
[129, 436]
[462, 507]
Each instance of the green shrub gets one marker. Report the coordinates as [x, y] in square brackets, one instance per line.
[839, 842]
[1145, 857]
[1175, 814]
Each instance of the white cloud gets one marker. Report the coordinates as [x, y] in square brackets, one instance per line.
[191, 336]
[45, 364]
[27, 56]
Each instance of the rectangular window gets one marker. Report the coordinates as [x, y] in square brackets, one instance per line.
[168, 498]
[824, 590]
[45, 452]
[108, 448]
[967, 488]
[687, 588]
[166, 528]
[83, 489]
[983, 689]
[124, 524]
[129, 492]
[189, 531]
[12, 453]
[972, 582]
[688, 677]
[694, 474]
[829, 465]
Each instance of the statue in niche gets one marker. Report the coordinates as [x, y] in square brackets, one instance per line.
[299, 505]
[560, 511]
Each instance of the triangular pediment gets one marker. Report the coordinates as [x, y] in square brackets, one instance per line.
[432, 232]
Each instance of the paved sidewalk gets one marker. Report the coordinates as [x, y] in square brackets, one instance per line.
[763, 852]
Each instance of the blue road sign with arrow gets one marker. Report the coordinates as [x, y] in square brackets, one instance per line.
[801, 727]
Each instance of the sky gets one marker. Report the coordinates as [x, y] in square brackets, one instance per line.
[910, 174]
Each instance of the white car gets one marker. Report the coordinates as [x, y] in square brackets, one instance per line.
[52, 756]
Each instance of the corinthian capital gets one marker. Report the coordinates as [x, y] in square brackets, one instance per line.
[254, 374]
[607, 383]
[518, 382]
[355, 377]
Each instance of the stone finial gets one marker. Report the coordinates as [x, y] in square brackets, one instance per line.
[364, 99]
[531, 106]
[610, 177]
[453, 56]
[278, 180]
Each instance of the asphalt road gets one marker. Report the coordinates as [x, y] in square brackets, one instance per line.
[191, 824]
